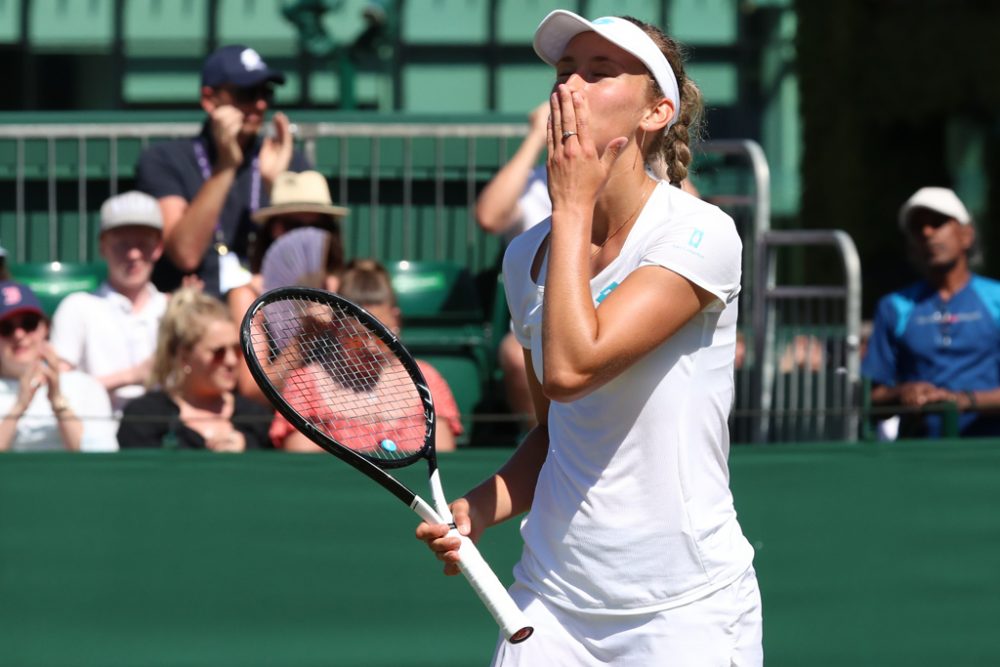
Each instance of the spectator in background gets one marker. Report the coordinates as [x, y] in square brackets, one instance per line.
[43, 408]
[516, 199]
[938, 340]
[209, 186]
[111, 333]
[368, 284]
[4, 273]
[195, 367]
[297, 200]
[309, 257]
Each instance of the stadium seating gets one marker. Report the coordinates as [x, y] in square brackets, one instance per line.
[53, 281]
[10, 22]
[79, 27]
[258, 23]
[445, 22]
[436, 291]
[443, 323]
[156, 28]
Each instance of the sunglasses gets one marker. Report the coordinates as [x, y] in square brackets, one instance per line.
[219, 353]
[252, 94]
[26, 323]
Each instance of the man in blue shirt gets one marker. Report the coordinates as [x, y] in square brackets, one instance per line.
[208, 186]
[938, 340]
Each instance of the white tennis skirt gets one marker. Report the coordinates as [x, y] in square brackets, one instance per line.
[723, 629]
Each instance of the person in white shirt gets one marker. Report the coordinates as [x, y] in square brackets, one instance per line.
[515, 200]
[41, 407]
[625, 303]
[111, 333]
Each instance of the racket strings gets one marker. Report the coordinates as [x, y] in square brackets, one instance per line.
[341, 378]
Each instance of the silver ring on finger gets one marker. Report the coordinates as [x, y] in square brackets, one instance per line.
[567, 134]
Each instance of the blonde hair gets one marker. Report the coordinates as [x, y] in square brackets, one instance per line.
[367, 283]
[669, 153]
[188, 315]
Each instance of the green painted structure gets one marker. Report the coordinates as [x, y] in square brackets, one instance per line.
[868, 555]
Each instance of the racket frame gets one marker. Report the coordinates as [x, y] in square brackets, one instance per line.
[483, 580]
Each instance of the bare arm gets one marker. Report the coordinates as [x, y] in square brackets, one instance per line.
[188, 230]
[510, 491]
[444, 437]
[69, 425]
[133, 375]
[70, 428]
[506, 494]
[296, 442]
[586, 347]
[496, 208]
[28, 384]
[189, 227]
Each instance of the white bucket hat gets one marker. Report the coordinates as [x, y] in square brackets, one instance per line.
[939, 200]
[302, 192]
[559, 27]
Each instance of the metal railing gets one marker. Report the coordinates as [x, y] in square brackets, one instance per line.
[83, 141]
[806, 373]
[427, 188]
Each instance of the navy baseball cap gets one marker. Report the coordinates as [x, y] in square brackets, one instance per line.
[237, 65]
[17, 298]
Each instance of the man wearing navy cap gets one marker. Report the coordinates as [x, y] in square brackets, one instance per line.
[209, 186]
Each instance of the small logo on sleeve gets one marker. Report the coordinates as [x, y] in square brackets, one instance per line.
[697, 235]
[606, 291]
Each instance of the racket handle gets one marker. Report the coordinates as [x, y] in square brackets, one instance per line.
[512, 621]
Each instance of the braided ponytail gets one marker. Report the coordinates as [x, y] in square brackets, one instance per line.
[669, 152]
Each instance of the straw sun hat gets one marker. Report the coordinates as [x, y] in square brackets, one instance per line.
[304, 192]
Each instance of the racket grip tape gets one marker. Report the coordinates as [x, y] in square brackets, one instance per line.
[512, 621]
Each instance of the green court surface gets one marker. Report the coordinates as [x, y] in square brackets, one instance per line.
[867, 555]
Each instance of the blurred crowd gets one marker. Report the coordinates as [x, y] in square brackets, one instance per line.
[152, 358]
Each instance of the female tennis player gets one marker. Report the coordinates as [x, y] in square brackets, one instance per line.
[625, 304]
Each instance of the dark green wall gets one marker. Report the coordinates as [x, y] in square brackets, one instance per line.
[867, 555]
[886, 87]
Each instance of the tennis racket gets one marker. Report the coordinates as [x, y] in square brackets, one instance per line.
[341, 378]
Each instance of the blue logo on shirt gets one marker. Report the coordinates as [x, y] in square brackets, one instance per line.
[696, 237]
[606, 291]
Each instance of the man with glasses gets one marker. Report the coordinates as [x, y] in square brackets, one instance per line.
[210, 185]
[938, 340]
[111, 333]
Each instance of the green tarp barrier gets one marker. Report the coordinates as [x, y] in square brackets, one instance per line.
[867, 555]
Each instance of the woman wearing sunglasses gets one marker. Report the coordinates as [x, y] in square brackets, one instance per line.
[194, 370]
[44, 409]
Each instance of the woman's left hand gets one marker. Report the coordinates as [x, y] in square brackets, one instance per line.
[231, 441]
[577, 170]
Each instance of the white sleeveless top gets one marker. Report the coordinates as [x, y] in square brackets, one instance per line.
[632, 512]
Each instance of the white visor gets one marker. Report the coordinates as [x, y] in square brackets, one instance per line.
[559, 27]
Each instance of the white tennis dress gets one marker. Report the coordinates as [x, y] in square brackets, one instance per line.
[632, 514]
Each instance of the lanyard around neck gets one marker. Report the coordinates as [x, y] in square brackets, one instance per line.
[201, 155]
